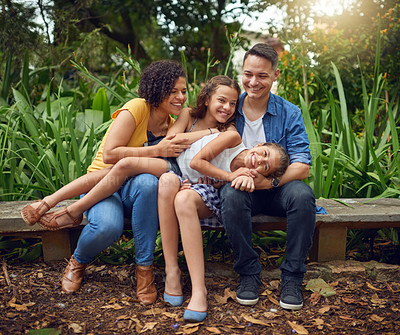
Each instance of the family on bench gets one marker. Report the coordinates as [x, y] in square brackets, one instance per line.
[232, 156]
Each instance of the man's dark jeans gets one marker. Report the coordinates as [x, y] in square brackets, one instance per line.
[294, 200]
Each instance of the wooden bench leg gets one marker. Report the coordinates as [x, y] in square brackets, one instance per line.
[329, 243]
[56, 245]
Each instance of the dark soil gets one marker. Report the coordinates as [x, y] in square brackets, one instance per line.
[31, 299]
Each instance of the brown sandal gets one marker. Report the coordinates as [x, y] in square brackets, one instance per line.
[49, 220]
[31, 215]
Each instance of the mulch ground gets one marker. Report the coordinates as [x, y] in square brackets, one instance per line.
[31, 299]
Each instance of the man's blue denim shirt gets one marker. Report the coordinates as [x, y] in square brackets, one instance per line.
[283, 124]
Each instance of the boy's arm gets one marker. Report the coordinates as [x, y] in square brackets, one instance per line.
[201, 162]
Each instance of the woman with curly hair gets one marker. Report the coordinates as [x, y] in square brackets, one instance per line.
[138, 131]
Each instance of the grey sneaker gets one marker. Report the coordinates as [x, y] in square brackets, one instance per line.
[247, 291]
[291, 294]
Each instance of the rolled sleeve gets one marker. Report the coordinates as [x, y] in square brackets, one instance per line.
[300, 158]
[298, 145]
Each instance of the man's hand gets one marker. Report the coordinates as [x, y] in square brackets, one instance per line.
[261, 182]
[243, 183]
[171, 147]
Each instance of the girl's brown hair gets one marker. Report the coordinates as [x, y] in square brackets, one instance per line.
[205, 94]
[284, 159]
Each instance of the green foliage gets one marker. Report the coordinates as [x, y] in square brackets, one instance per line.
[18, 30]
[122, 251]
[349, 164]
[350, 46]
[389, 25]
[94, 29]
[45, 146]
[17, 248]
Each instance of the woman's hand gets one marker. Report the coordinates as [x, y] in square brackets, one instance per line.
[243, 183]
[172, 147]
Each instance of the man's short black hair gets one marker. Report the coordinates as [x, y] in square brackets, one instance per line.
[265, 51]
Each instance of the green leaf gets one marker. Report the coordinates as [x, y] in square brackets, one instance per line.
[100, 102]
[25, 76]
[319, 285]
[33, 254]
[5, 89]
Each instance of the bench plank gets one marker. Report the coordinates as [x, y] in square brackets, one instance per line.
[329, 242]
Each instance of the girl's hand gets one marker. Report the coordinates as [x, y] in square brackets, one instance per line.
[243, 183]
[171, 147]
[185, 185]
[239, 172]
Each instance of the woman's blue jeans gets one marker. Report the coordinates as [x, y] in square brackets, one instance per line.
[136, 199]
[294, 200]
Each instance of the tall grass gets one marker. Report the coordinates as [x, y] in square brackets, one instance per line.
[45, 146]
[355, 165]
[346, 164]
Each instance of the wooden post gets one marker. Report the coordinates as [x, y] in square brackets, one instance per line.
[329, 243]
[56, 245]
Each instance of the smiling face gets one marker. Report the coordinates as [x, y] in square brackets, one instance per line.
[258, 76]
[264, 159]
[173, 103]
[222, 103]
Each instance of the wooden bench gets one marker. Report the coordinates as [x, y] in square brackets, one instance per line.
[329, 238]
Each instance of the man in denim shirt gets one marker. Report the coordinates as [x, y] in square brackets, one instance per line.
[265, 117]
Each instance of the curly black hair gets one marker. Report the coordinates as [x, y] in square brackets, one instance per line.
[207, 91]
[158, 80]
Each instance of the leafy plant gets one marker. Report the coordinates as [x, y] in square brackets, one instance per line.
[346, 164]
[17, 248]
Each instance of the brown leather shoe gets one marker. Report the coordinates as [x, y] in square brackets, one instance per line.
[32, 215]
[73, 275]
[145, 289]
[49, 220]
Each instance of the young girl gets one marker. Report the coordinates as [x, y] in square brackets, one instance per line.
[103, 183]
[222, 157]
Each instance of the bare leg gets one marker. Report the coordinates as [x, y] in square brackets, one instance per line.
[112, 181]
[168, 187]
[189, 206]
[75, 188]
[32, 212]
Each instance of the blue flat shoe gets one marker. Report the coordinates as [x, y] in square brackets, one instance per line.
[194, 316]
[173, 300]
